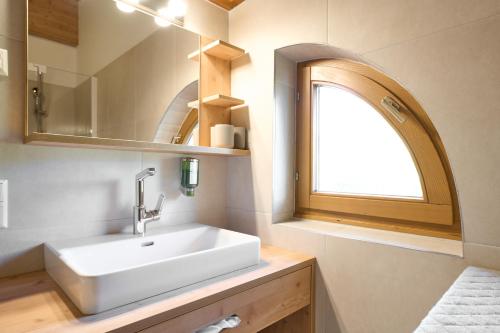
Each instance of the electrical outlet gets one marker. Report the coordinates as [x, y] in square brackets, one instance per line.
[4, 203]
[4, 62]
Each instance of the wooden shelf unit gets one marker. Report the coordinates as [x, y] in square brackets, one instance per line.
[218, 100]
[218, 49]
[222, 100]
[215, 58]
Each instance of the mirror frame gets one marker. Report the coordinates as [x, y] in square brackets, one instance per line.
[61, 140]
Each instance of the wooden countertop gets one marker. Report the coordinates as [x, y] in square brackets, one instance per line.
[34, 303]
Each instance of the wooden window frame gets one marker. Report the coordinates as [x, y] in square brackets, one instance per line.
[187, 126]
[436, 215]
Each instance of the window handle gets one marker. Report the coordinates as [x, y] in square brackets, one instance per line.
[394, 108]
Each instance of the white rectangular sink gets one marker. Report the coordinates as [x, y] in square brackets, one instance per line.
[105, 272]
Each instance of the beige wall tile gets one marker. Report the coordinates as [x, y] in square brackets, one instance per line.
[64, 186]
[252, 80]
[363, 25]
[209, 195]
[312, 244]
[20, 261]
[482, 255]
[284, 142]
[242, 194]
[206, 19]
[454, 74]
[12, 19]
[294, 239]
[137, 89]
[102, 27]
[83, 110]
[250, 222]
[378, 288]
[186, 70]
[100, 23]
[12, 92]
[21, 250]
[273, 24]
[154, 82]
[60, 103]
[116, 102]
[53, 54]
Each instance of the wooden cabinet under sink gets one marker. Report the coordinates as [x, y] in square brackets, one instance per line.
[276, 296]
[258, 307]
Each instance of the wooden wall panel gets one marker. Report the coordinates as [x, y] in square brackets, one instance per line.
[227, 4]
[55, 20]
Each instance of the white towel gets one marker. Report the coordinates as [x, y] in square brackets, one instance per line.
[471, 305]
[229, 322]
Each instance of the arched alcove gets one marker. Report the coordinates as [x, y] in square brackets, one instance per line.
[285, 174]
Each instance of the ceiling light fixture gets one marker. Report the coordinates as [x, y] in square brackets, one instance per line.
[127, 8]
[163, 18]
[172, 14]
[177, 8]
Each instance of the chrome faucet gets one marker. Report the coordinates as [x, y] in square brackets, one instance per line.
[141, 215]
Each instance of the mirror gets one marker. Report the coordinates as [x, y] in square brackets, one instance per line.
[95, 71]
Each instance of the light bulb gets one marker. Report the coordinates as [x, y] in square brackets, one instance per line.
[162, 20]
[126, 7]
[177, 8]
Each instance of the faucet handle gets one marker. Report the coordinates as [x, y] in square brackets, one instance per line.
[160, 205]
[145, 174]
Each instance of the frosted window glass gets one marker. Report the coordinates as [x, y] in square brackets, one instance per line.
[356, 151]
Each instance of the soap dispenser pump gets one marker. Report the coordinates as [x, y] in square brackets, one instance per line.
[189, 175]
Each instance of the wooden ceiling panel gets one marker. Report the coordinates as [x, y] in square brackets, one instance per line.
[56, 20]
[227, 4]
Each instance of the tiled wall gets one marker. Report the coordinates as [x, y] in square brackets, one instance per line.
[67, 192]
[446, 54]
[126, 89]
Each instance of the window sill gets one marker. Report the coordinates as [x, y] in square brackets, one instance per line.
[384, 237]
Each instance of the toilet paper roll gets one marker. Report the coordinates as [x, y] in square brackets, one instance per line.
[222, 136]
[212, 136]
[240, 137]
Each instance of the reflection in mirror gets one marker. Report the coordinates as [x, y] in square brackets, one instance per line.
[179, 120]
[97, 71]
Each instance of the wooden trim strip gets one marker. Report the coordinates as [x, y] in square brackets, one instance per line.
[59, 140]
[401, 210]
[188, 124]
[423, 229]
[303, 153]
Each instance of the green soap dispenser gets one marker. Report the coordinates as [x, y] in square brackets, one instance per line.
[189, 175]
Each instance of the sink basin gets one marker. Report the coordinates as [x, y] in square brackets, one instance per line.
[100, 273]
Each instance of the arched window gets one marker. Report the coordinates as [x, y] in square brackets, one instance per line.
[367, 153]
